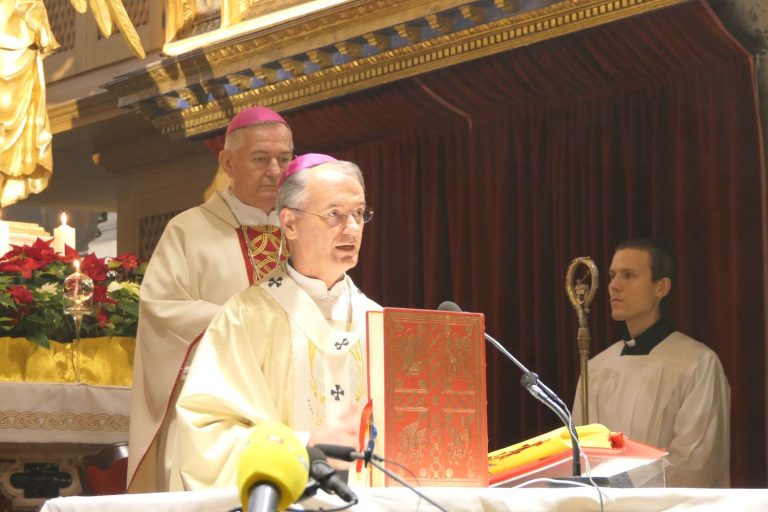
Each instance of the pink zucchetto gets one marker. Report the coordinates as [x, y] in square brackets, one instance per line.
[303, 162]
[254, 115]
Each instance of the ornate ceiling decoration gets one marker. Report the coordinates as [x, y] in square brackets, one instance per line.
[337, 51]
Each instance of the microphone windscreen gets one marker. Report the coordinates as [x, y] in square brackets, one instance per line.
[275, 456]
[449, 306]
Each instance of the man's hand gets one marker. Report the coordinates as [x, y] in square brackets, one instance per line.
[342, 430]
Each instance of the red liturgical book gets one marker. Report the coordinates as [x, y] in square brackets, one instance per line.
[426, 384]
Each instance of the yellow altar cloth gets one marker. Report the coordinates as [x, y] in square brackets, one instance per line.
[105, 361]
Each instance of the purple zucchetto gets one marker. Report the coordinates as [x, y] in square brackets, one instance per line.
[253, 115]
[303, 162]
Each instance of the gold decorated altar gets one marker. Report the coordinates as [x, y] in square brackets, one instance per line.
[59, 404]
[65, 405]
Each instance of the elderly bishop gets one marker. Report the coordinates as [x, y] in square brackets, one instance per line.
[205, 256]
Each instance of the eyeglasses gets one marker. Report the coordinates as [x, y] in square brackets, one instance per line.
[336, 218]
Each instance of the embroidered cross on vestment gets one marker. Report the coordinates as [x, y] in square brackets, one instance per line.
[337, 393]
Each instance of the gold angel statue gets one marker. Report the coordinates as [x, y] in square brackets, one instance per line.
[26, 38]
[109, 13]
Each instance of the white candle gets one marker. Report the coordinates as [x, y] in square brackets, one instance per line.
[5, 237]
[63, 235]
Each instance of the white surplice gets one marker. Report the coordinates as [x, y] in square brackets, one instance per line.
[287, 350]
[197, 266]
[677, 398]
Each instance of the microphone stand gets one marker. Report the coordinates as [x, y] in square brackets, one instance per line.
[530, 381]
[525, 370]
[539, 390]
[542, 393]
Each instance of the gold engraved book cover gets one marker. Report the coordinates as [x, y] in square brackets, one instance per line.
[427, 391]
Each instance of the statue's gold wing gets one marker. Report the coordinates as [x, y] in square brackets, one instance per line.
[79, 5]
[110, 13]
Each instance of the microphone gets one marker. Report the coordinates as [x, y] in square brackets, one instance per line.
[273, 470]
[346, 453]
[452, 306]
[530, 381]
[538, 389]
[327, 477]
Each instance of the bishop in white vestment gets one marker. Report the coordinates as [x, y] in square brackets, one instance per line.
[287, 350]
[291, 349]
[205, 256]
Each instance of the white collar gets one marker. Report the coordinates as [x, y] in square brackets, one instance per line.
[316, 288]
[248, 215]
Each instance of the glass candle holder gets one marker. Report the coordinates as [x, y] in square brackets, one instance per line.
[78, 302]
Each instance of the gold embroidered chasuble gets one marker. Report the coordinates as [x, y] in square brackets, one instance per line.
[270, 353]
[194, 270]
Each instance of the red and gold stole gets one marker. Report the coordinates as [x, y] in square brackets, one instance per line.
[261, 247]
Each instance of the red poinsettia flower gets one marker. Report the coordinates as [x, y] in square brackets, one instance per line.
[10, 253]
[100, 295]
[22, 265]
[94, 267]
[14, 252]
[27, 316]
[127, 260]
[69, 255]
[26, 251]
[41, 251]
[20, 294]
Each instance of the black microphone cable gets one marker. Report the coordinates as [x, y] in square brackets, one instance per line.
[349, 454]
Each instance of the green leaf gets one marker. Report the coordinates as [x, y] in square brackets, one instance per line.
[130, 308]
[39, 339]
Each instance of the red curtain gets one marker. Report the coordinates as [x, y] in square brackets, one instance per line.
[487, 178]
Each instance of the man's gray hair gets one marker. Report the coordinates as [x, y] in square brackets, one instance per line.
[293, 191]
[235, 139]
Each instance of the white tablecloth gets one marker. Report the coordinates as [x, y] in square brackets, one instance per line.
[34, 412]
[398, 499]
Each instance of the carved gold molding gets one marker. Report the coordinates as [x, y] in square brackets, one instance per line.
[269, 44]
[361, 72]
[34, 420]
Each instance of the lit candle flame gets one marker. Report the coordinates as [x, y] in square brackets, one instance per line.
[64, 218]
[76, 263]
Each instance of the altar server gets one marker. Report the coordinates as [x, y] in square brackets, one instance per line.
[291, 349]
[657, 385]
[205, 256]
